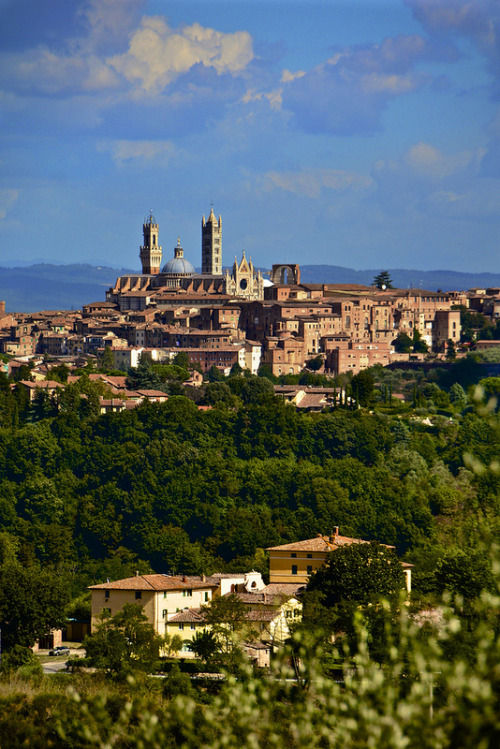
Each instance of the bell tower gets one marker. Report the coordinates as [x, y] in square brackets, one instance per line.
[211, 245]
[150, 253]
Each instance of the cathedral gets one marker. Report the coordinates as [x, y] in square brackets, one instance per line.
[137, 291]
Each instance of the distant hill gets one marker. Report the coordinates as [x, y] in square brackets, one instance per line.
[431, 280]
[45, 286]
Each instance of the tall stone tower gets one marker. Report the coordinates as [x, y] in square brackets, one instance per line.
[211, 245]
[150, 253]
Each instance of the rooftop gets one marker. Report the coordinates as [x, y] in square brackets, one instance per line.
[156, 582]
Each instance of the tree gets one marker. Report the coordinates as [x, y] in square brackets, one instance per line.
[383, 280]
[32, 602]
[106, 360]
[360, 572]
[458, 396]
[451, 352]
[402, 343]
[227, 623]
[315, 363]
[215, 375]
[362, 385]
[419, 345]
[181, 359]
[124, 642]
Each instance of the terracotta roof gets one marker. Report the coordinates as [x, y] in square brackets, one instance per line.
[153, 393]
[188, 615]
[283, 589]
[320, 543]
[154, 582]
[264, 615]
[41, 384]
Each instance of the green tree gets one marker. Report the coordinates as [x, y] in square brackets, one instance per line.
[181, 359]
[360, 572]
[383, 280]
[215, 374]
[451, 352]
[106, 360]
[402, 343]
[315, 363]
[32, 602]
[226, 619]
[419, 345]
[124, 642]
[362, 385]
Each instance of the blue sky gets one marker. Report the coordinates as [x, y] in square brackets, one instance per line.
[361, 133]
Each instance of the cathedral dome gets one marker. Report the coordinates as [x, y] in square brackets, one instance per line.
[178, 265]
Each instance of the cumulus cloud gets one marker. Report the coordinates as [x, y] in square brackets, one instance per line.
[428, 161]
[109, 22]
[311, 182]
[157, 54]
[139, 151]
[347, 93]
[7, 200]
[476, 20]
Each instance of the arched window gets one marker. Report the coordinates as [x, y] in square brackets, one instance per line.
[347, 322]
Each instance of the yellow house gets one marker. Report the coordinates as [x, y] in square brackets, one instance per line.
[161, 596]
[295, 562]
[269, 613]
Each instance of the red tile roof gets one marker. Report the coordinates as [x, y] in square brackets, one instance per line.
[154, 582]
[320, 543]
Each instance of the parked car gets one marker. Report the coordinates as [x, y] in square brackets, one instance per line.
[59, 650]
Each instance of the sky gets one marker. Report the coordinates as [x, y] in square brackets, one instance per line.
[359, 133]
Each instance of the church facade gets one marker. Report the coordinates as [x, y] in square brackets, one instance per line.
[138, 291]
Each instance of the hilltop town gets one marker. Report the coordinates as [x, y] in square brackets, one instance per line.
[227, 317]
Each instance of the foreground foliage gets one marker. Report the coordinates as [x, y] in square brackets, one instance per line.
[422, 696]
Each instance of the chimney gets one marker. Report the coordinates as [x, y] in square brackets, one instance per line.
[137, 573]
[333, 534]
[204, 578]
[184, 579]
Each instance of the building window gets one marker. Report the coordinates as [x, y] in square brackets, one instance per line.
[106, 594]
[138, 594]
[309, 569]
[106, 611]
[206, 597]
[309, 556]
[181, 626]
[165, 613]
[193, 626]
[164, 594]
[294, 569]
[187, 593]
[293, 555]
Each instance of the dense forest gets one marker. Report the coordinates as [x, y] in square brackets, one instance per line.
[171, 487]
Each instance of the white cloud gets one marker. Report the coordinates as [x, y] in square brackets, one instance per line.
[311, 182]
[139, 151]
[428, 161]
[157, 54]
[7, 200]
[287, 75]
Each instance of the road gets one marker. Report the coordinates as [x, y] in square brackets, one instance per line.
[51, 665]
